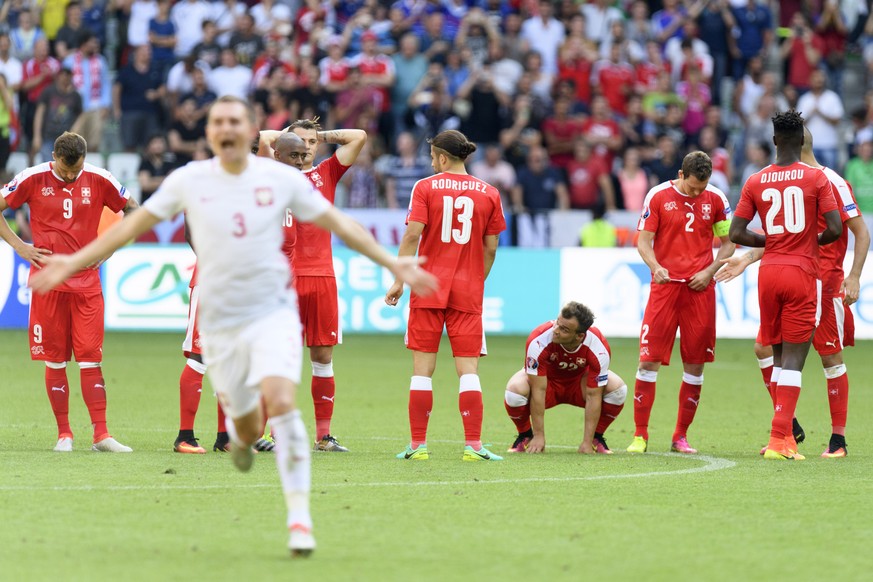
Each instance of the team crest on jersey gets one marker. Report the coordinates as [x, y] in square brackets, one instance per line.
[316, 179]
[86, 195]
[37, 350]
[532, 363]
[48, 191]
[707, 211]
[580, 362]
[671, 205]
[263, 196]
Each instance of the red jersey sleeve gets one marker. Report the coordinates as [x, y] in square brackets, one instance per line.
[746, 205]
[18, 191]
[114, 195]
[497, 222]
[333, 170]
[824, 192]
[418, 203]
[651, 214]
[598, 358]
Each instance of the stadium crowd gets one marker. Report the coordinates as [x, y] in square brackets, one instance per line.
[575, 105]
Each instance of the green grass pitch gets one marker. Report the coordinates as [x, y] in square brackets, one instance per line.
[157, 515]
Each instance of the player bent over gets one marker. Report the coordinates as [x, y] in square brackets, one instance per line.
[567, 363]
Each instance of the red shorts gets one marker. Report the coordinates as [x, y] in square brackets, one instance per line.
[191, 345]
[566, 392]
[789, 298]
[319, 310]
[425, 329]
[675, 306]
[836, 329]
[62, 324]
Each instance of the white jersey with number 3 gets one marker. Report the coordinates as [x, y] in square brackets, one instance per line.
[236, 230]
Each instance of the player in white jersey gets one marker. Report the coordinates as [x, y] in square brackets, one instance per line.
[250, 326]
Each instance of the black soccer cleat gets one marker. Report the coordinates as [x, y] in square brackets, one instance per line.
[797, 431]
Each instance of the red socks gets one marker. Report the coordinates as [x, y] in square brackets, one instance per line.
[608, 413]
[644, 398]
[518, 409]
[58, 390]
[222, 427]
[470, 406]
[323, 392]
[94, 394]
[838, 397]
[420, 405]
[689, 397]
[190, 388]
[787, 393]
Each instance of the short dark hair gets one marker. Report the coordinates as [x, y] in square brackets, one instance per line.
[453, 143]
[70, 148]
[306, 124]
[583, 316]
[788, 127]
[250, 111]
[697, 164]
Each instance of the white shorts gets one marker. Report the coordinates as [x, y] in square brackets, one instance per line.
[238, 359]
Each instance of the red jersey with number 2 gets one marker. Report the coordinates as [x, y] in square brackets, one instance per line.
[458, 211]
[789, 200]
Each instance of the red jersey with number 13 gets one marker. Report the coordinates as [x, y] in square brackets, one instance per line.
[789, 200]
[458, 211]
[307, 246]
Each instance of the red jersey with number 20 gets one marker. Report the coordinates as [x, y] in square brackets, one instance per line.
[458, 211]
[789, 200]
[64, 217]
[683, 227]
[307, 246]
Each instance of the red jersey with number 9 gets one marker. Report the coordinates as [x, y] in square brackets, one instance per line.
[789, 200]
[64, 217]
[458, 211]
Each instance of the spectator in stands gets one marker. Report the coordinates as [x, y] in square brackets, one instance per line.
[187, 133]
[715, 21]
[141, 13]
[433, 35]
[599, 233]
[722, 169]
[694, 92]
[11, 10]
[410, 67]
[51, 17]
[603, 132]
[208, 50]
[399, 173]
[692, 52]
[758, 156]
[225, 14]
[431, 112]
[636, 130]
[831, 28]
[615, 77]
[23, 37]
[156, 164]
[496, 171]
[667, 22]
[514, 45]
[803, 51]
[162, 39]
[755, 25]
[589, 181]
[560, 134]
[69, 36]
[657, 102]
[246, 42]
[519, 133]
[188, 17]
[476, 34]
[361, 182]
[136, 98]
[859, 173]
[639, 26]
[271, 18]
[823, 111]
[647, 70]
[631, 50]
[92, 81]
[456, 71]
[312, 99]
[600, 16]
[59, 109]
[272, 69]
[10, 67]
[230, 78]
[358, 105]
[633, 180]
[482, 124]
[6, 112]
[539, 186]
[505, 71]
[541, 80]
[39, 74]
[200, 93]
[180, 79]
[334, 68]
[667, 162]
[377, 70]
[544, 34]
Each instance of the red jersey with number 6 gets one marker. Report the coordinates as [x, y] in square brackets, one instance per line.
[458, 211]
[64, 217]
[789, 200]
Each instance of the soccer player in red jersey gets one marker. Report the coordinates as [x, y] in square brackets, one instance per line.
[790, 197]
[454, 220]
[309, 249]
[66, 198]
[836, 328]
[676, 234]
[567, 362]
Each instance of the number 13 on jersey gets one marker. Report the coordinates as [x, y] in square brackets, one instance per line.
[464, 206]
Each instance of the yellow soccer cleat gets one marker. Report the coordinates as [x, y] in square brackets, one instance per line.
[639, 445]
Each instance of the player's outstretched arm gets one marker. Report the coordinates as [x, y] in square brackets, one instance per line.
[538, 413]
[741, 235]
[733, 267]
[351, 142]
[33, 255]
[851, 286]
[358, 238]
[593, 404]
[59, 268]
[408, 246]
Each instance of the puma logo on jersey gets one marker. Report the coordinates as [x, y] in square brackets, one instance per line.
[68, 191]
[690, 205]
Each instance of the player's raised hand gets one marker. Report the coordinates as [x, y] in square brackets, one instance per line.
[33, 255]
[420, 281]
[57, 269]
[731, 268]
[850, 288]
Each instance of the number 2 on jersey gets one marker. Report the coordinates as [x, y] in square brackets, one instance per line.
[459, 235]
[794, 215]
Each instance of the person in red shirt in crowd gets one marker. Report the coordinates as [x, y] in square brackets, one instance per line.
[377, 70]
[567, 362]
[803, 51]
[602, 131]
[66, 198]
[677, 226]
[454, 220]
[646, 71]
[38, 74]
[616, 79]
[791, 198]
[560, 131]
[589, 181]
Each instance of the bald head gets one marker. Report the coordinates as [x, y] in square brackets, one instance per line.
[806, 155]
[290, 149]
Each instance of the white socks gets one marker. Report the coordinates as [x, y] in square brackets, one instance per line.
[293, 461]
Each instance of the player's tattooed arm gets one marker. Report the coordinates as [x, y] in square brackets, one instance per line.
[130, 206]
[351, 142]
[733, 267]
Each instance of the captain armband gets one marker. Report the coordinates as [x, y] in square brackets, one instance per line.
[721, 228]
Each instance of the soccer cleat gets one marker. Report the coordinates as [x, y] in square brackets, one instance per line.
[682, 446]
[65, 444]
[188, 446]
[301, 543]
[417, 454]
[600, 446]
[222, 443]
[639, 445]
[242, 457]
[264, 445]
[521, 442]
[483, 454]
[329, 444]
[781, 455]
[110, 445]
[797, 431]
[836, 448]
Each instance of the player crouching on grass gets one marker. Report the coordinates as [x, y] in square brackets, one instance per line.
[567, 363]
